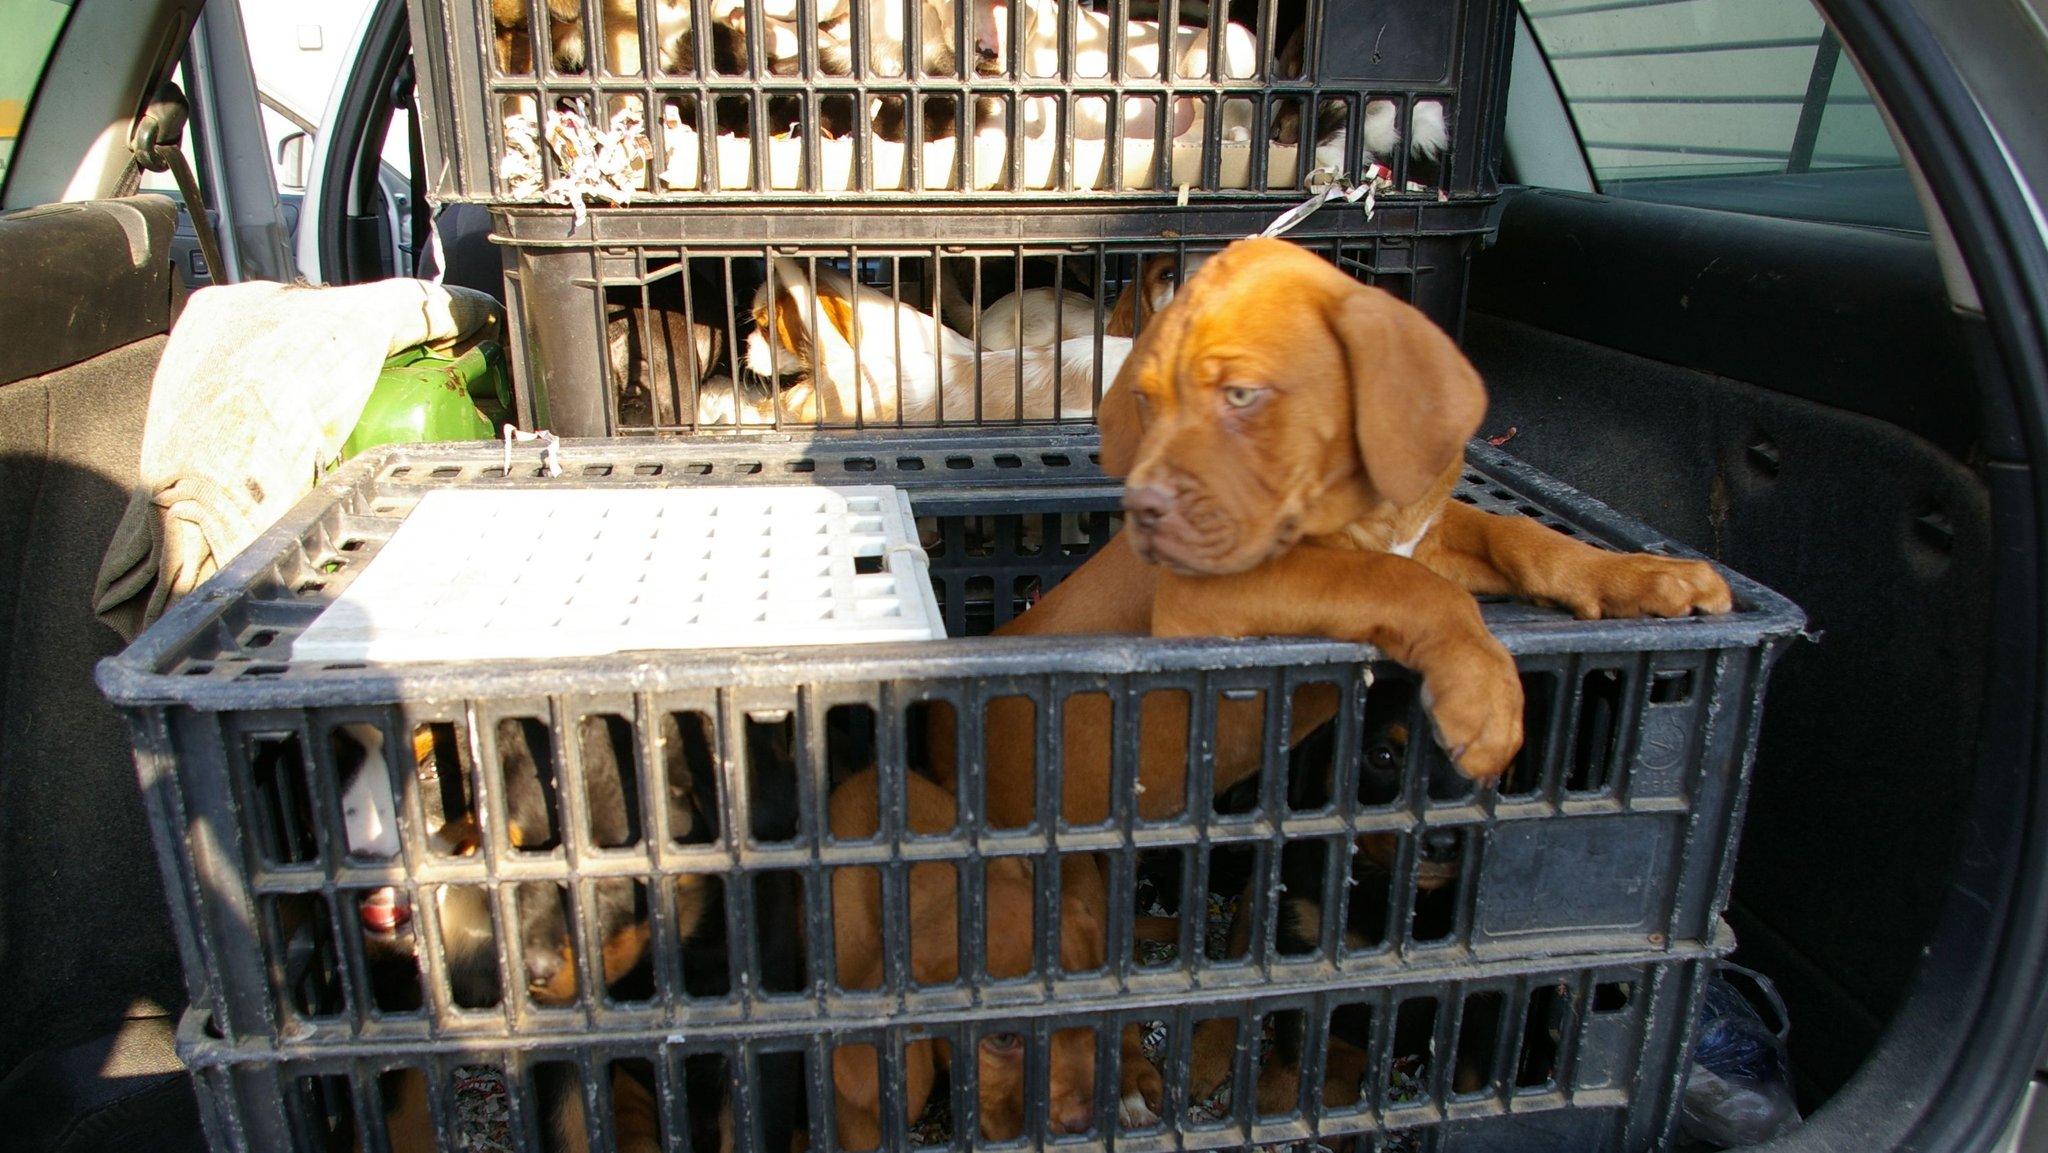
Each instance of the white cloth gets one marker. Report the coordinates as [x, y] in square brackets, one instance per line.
[259, 385]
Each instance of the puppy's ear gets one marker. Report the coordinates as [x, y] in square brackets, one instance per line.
[1123, 315]
[782, 308]
[816, 300]
[1415, 399]
[1118, 415]
[1121, 428]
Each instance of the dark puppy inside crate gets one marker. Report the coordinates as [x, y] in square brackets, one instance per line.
[1374, 876]
[667, 338]
[530, 785]
[529, 777]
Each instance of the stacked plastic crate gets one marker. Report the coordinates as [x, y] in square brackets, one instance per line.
[641, 178]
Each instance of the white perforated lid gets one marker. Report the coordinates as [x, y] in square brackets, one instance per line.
[478, 573]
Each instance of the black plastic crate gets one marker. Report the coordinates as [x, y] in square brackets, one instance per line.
[645, 322]
[1583, 1056]
[766, 100]
[1600, 864]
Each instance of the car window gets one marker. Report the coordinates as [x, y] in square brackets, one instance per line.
[299, 53]
[33, 28]
[1741, 104]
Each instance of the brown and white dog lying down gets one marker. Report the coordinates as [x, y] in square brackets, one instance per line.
[862, 356]
[1289, 439]
[934, 926]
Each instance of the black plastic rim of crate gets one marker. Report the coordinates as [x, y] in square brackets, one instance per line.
[170, 663]
[1122, 227]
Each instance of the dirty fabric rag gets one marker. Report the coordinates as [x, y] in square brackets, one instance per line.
[259, 385]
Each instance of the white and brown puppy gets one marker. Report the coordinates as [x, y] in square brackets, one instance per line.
[1428, 136]
[619, 32]
[865, 357]
[1427, 133]
[884, 27]
[1094, 37]
[513, 36]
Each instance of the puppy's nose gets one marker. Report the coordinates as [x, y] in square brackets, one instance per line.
[1147, 505]
[1071, 1116]
[1440, 845]
[544, 966]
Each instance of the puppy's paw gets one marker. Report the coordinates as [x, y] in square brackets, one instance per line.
[1475, 706]
[1639, 585]
[1141, 1091]
[1427, 135]
[1137, 1111]
[717, 405]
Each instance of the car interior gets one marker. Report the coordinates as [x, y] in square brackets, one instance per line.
[1817, 367]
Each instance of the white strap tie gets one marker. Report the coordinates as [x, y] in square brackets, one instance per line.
[1324, 185]
[548, 440]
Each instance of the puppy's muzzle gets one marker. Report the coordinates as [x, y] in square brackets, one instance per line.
[1077, 1117]
[1440, 846]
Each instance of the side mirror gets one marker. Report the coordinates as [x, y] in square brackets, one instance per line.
[294, 161]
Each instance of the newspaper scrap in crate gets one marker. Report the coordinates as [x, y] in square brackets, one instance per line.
[581, 572]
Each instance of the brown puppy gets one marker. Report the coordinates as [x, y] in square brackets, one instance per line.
[1288, 469]
[1289, 440]
[934, 959]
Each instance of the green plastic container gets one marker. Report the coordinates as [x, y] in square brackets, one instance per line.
[421, 396]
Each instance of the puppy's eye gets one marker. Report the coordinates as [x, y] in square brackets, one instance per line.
[1383, 757]
[1238, 396]
[1002, 1042]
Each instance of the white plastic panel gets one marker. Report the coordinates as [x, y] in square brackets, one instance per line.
[475, 574]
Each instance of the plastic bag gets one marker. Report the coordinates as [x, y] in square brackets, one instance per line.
[1740, 1089]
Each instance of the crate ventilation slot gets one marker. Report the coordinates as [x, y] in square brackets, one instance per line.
[494, 574]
